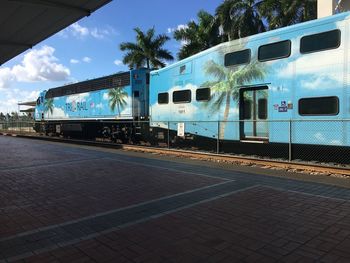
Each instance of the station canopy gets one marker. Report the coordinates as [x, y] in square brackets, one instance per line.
[24, 23]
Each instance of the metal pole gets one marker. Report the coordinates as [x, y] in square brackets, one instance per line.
[290, 141]
[218, 139]
[168, 135]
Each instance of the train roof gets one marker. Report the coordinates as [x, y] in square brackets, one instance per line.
[268, 34]
[111, 81]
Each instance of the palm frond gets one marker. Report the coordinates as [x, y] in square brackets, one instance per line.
[215, 70]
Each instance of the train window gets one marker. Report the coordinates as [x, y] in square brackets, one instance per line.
[182, 96]
[203, 94]
[262, 109]
[276, 50]
[319, 106]
[247, 111]
[136, 94]
[237, 58]
[321, 41]
[163, 98]
[182, 69]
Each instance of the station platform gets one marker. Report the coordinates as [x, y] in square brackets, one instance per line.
[70, 203]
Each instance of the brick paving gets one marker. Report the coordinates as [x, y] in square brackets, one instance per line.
[62, 203]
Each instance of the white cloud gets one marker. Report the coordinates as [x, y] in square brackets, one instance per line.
[40, 65]
[37, 65]
[10, 98]
[6, 77]
[105, 96]
[118, 62]
[78, 31]
[74, 61]
[172, 29]
[86, 59]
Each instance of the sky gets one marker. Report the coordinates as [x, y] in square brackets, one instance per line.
[90, 47]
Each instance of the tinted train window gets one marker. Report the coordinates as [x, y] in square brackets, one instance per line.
[182, 96]
[262, 109]
[247, 111]
[319, 42]
[163, 98]
[275, 51]
[203, 94]
[319, 106]
[237, 58]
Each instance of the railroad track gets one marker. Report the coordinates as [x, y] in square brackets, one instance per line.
[293, 166]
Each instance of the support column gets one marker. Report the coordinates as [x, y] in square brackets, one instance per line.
[326, 8]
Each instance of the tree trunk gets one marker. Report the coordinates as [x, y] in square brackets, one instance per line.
[223, 123]
[148, 63]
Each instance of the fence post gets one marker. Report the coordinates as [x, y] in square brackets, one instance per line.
[290, 141]
[218, 139]
[168, 134]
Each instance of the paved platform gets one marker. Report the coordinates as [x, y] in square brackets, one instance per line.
[66, 203]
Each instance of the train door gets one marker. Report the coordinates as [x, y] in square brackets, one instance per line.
[254, 113]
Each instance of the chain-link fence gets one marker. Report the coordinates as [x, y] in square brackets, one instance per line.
[317, 141]
[17, 126]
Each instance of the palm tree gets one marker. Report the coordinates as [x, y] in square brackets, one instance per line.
[147, 51]
[198, 37]
[284, 13]
[117, 98]
[48, 106]
[240, 18]
[227, 86]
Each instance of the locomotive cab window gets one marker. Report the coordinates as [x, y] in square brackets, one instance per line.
[163, 98]
[319, 42]
[203, 94]
[274, 51]
[237, 58]
[319, 106]
[182, 96]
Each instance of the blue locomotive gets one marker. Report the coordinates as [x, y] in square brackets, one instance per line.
[106, 106]
[243, 92]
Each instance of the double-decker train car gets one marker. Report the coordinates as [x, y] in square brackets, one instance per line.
[109, 105]
[255, 85]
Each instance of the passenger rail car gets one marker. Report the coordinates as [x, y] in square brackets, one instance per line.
[107, 106]
[255, 85]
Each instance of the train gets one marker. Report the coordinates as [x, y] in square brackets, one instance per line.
[253, 95]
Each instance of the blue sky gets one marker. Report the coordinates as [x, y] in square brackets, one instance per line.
[90, 47]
